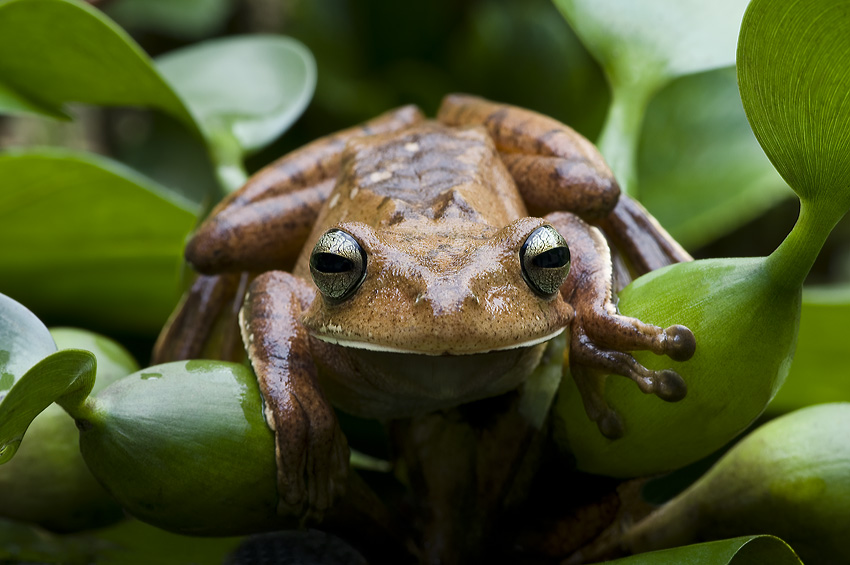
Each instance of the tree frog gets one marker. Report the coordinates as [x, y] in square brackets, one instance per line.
[433, 260]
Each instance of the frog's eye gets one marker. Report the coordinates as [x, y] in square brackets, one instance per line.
[545, 260]
[338, 264]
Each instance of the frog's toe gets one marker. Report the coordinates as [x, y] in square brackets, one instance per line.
[680, 343]
[611, 424]
[670, 386]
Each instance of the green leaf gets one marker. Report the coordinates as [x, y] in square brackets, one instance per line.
[244, 91]
[792, 72]
[24, 341]
[789, 478]
[58, 51]
[66, 376]
[95, 242]
[644, 45]
[748, 550]
[820, 371]
[702, 173]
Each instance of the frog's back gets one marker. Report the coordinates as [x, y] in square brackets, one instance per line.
[430, 176]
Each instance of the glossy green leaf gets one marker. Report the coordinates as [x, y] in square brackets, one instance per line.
[748, 550]
[58, 51]
[244, 91]
[792, 70]
[820, 371]
[642, 46]
[66, 376]
[789, 478]
[24, 341]
[702, 173]
[47, 482]
[88, 240]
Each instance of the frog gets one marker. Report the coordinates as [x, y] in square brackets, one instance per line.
[410, 265]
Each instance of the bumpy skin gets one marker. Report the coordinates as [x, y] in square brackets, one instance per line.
[441, 210]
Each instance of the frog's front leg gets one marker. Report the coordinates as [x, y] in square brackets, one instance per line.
[601, 337]
[264, 225]
[311, 450]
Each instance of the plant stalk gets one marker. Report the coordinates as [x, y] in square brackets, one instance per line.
[791, 262]
[620, 135]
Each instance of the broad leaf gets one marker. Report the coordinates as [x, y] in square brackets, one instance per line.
[820, 371]
[792, 71]
[244, 92]
[702, 173]
[789, 478]
[644, 45]
[58, 51]
[749, 550]
[24, 341]
[88, 240]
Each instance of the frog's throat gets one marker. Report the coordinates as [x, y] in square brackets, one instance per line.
[388, 349]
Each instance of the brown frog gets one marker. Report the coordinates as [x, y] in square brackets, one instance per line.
[433, 260]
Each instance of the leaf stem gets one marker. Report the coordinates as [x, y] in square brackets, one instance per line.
[791, 262]
[620, 135]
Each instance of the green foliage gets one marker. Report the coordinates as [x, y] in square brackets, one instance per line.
[642, 46]
[109, 232]
[243, 92]
[790, 477]
[57, 51]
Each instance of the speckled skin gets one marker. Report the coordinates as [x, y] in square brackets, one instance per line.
[443, 316]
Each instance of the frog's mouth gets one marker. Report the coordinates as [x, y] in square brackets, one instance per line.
[370, 346]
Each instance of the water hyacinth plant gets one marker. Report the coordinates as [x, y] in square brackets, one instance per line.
[186, 446]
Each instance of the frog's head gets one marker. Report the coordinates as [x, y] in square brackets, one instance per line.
[411, 289]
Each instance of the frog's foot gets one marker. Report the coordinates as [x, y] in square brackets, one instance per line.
[601, 336]
[590, 365]
[311, 450]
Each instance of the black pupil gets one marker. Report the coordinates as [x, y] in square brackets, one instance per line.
[552, 259]
[331, 263]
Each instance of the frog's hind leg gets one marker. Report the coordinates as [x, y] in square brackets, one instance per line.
[264, 224]
[557, 169]
[204, 326]
[646, 245]
[601, 337]
[554, 166]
